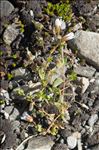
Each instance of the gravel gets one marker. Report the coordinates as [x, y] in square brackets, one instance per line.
[92, 120]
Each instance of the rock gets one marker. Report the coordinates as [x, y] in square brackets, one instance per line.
[96, 105]
[92, 119]
[96, 19]
[40, 143]
[95, 147]
[6, 115]
[87, 44]
[5, 95]
[24, 92]
[36, 7]
[60, 147]
[11, 33]
[85, 71]
[86, 8]
[9, 109]
[71, 141]
[13, 84]
[93, 23]
[62, 141]
[13, 112]
[16, 126]
[97, 74]
[93, 140]
[14, 115]
[65, 132]
[18, 72]
[94, 87]
[21, 73]
[5, 8]
[10, 140]
[4, 84]
[85, 84]
[19, 93]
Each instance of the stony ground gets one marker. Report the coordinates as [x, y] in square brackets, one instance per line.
[49, 75]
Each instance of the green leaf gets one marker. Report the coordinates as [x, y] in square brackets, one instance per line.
[14, 56]
[41, 73]
[1, 52]
[1, 101]
[39, 127]
[49, 59]
[10, 76]
[57, 82]
[20, 92]
[73, 76]
[54, 130]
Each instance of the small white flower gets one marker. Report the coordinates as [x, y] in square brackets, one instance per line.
[60, 23]
[63, 24]
[70, 36]
[25, 116]
[57, 23]
[31, 13]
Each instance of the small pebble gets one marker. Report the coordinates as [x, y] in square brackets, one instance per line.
[31, 13]
[85, 83]
[92, 119]
[72, 142]
[10, 34]
[62, 141]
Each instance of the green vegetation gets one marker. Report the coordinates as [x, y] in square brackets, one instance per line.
[1, 102]
[49, 106]
[60, 9]
[10, 76]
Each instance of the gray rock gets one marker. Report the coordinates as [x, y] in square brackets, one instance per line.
[71, 141]
[92, 120]
[21, 73]
[9, 109]
[18, 72]
[5, 95]
[5, 8]
[16, 126]
[85, 71]
[13, 112]
[95, 87]
[97, 74]
[97, 82]
[96, 105]
[4, 84]
[40, 143]
[23, 92]
[95, 147]
[87, 44]
[11, 33]
[65, 132]
[19, 93]
[10, 141]
[96, 19]
[13, 84]
[60, 147]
